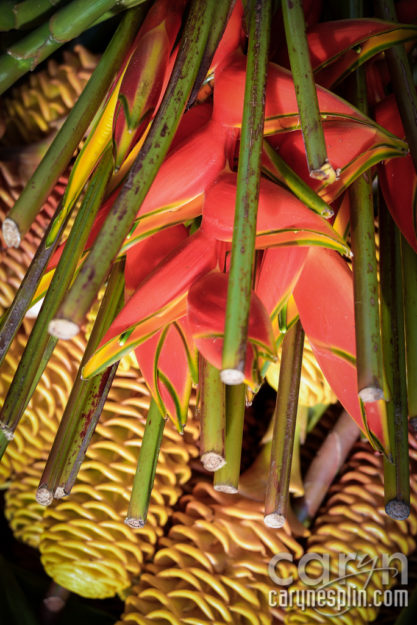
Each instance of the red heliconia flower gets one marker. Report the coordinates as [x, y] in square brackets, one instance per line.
[168, 359]
[377, 80]
[282, 219]
[143, 79]
[168, 362]
[278, 274]
[281, 110]
[177, 192]
[398, 177]
[192, 121]
[406, 11]
[145, 256]
[206, 311]
[158, 300]
[338, 48]
[324, 298]
[352, 148]
[232, 37]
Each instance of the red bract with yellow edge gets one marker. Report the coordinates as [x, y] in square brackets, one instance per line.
[398, 177]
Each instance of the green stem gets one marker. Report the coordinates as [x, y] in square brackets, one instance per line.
[13, 317]
[16, 15]
[247, 193]
[84, 405]
[226, 479]
[146, 468]
[396, 473]
[284, 173]
[277, 491]
[253, 482]
[305, 90]
[402, 80]
[28, 369]
[143, 170]
[70, 134]
[223, 12]
[3, 443]
[212, 417]
[365, 278]
[66, 24]
[410, 313]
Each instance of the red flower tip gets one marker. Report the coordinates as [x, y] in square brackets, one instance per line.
[206, 314]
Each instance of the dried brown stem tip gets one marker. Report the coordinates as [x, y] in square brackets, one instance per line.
[325, 173]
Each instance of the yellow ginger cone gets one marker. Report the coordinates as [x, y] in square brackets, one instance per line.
[36, 431]
[23, 512]
[38, 106]
[86, 546]
[26, 454]
[212, 568]
[354, 521]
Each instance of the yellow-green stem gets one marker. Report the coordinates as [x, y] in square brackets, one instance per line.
[396, 473]
[226, 479]
[409, 258]
[84, 404]
[277, 490]
[72, 131]
[212, 417]
[247, 193]
[146, 468]
[143, 171]
[305, 91]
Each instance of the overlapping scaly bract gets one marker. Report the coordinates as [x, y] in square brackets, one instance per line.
[353, 521]
[86, 546]
[36, 431]
[26, 454]
[212, 566]
[23, 512]
[38, 106]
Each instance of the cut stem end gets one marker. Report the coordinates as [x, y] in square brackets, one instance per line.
[397, 510]
[232, 377]
[368, 394]
[274, 520]
[44, 496]
[212, 461]
[325, 172]
[8, 433]
[134, 522]
[60, 493]
[226, 488]
[63, 329]
[11, 233]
